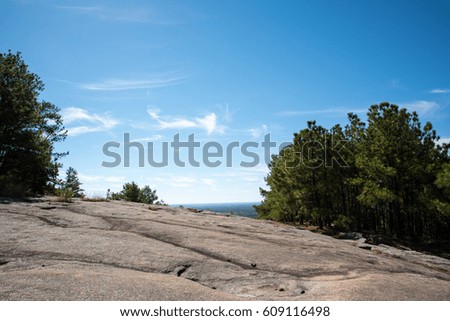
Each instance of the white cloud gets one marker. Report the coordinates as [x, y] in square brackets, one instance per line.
[148, 139]
[99, 178]
[227, 114]
[439, 91]
[209, 182]
[258, 131]
[185, 181]
[244, 174]
[154, 113]
[443, 141]
[97, 185]
[207, 122]
[421, 106]
[290, 113]
[260, 169]
[252, 179]
[96, 122]
[395, 83]
[88, 178]
[115, 179]
[155, 81]
[182, 181]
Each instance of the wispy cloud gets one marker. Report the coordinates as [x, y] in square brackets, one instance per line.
[96, 185]
[208, 182]
[95, 122]
[256, 173]
[228, 115]
[156, 81]
[148, 139]
[258, 131]
[98, 178]
[186, 181]
[115, 179]
[395, 84]
[443, 141]
[181, 181]
[124, 14]
[207, 122]
[89, 178]
[259, 169]
[421, 106]
[290, 113]
[439, 91]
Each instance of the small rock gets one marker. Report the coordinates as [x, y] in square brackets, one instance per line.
[350, 236]
[363, 245]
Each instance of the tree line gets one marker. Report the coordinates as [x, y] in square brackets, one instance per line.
[388, 175]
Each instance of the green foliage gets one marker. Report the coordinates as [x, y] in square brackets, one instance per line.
[116, 196]
[343, 222]
[388, 176]
[443, 182]
[73, 183]
[28, 130]
[133, 193]
[65, 194]
[147, 195]
[70, 187]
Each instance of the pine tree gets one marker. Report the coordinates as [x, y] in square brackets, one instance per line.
[28, 130]
[147, 195]
[388, 176]
[131, 192]
[73, 183]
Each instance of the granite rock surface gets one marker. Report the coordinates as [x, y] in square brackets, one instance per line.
[127, 251]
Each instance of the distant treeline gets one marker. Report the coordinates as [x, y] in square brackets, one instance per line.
[388, 176]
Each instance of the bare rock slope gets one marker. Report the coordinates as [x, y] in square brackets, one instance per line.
[125, 251]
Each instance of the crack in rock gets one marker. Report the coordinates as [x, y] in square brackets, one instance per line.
[179, 270]
[53, 223]
[47, 207]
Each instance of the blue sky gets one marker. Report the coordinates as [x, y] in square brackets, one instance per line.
[225, 71]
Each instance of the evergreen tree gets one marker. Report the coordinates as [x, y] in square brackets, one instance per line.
[131, 192]
[73, 183]
[388, 176]
[442, 200]
[147, 195]
[28, 130]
